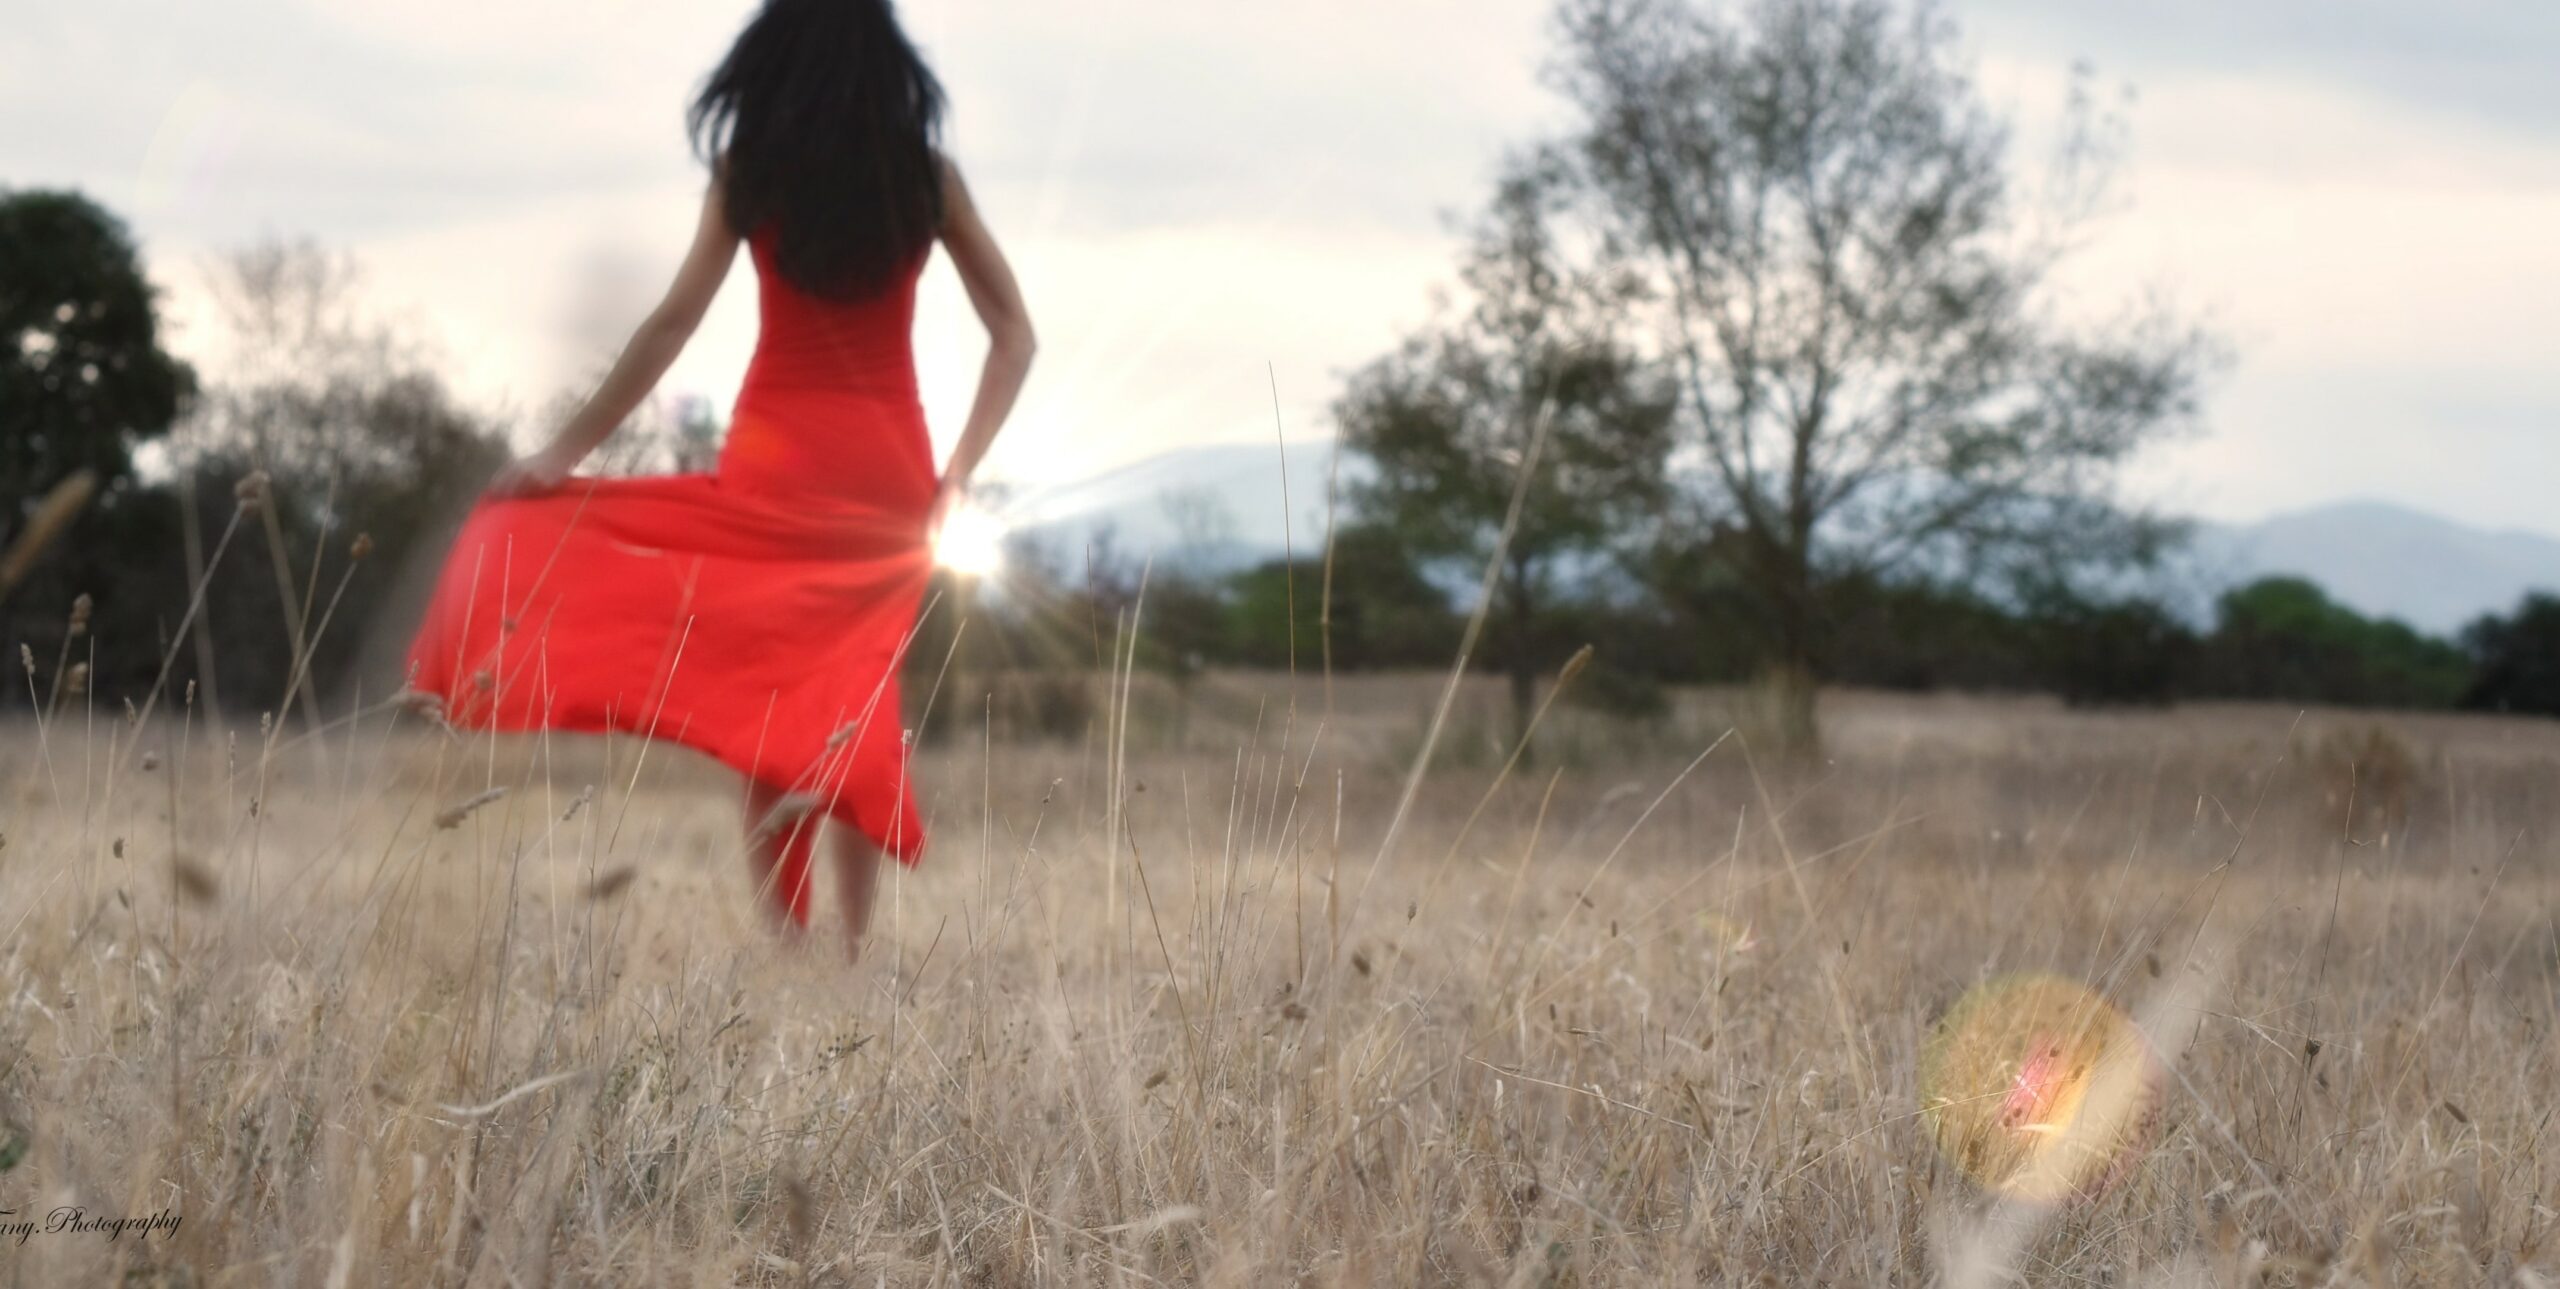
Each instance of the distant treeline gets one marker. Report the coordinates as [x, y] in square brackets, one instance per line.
[2278, 639]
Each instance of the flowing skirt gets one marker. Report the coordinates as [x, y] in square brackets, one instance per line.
[758, 614]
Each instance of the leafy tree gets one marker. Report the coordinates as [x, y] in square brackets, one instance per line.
[2284, 638]
[84, 383]
[290, 586]
[1447, 422]
[1920, 635]
[1385, 613]
[2113, 653]
[83, 379]
[1872, 377]
[2516, 659]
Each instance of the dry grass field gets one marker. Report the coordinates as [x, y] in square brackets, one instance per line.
[1191, 1015]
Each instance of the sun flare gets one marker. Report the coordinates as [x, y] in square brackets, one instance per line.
[971, 542]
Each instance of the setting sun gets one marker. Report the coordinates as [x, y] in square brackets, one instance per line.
[971, 543]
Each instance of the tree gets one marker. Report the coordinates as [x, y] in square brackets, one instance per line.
[358, 435]
[2516, 659]
[2120, 653]
[2284, 638]
[83, 380]
[84, 384]
[1446, 422]
[1385, 613]
[1915, 634]
[1871, 374]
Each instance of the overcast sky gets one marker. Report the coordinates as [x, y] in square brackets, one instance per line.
[2360, 194]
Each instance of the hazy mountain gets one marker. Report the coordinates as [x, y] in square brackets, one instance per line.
[2381, 559]
[1209, 509]
[1218, 508]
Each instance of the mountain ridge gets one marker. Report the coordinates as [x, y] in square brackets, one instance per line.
[1219, 507]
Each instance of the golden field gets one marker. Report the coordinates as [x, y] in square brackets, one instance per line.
[1651, 1008]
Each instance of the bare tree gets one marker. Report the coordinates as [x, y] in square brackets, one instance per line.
[1446, 421]
[358, 435]
[1873, 376]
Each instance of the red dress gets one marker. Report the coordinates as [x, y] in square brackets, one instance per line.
[757, 613]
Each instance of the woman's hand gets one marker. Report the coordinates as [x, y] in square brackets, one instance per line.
[653, 349]
[953, 493]
[531, 475]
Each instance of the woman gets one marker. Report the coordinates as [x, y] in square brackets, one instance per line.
[758, 613]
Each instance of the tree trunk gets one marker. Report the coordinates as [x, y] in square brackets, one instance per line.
[1524, 666]
[1794, 701]
[191, 541]
[1182, 678]
[1524, 699]
[1792, 685]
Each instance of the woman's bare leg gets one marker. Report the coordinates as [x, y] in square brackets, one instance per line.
[857, 886]
[780, 844]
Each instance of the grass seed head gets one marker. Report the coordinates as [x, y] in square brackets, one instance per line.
[452, 816]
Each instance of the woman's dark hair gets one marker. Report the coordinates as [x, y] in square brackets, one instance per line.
[828, 124]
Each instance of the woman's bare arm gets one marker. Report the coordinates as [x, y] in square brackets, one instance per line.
[998, 301]
[653, 348]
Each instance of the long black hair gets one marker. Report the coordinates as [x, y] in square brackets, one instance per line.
[829, 123]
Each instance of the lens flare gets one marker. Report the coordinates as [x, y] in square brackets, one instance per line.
[971, 543]
[2036, 1087]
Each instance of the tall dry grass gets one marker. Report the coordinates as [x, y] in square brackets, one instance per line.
[359, 1018]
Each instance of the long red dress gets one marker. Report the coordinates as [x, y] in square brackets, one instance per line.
[757, 613]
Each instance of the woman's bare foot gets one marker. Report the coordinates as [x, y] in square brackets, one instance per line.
[781, 836]
[857, 887]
